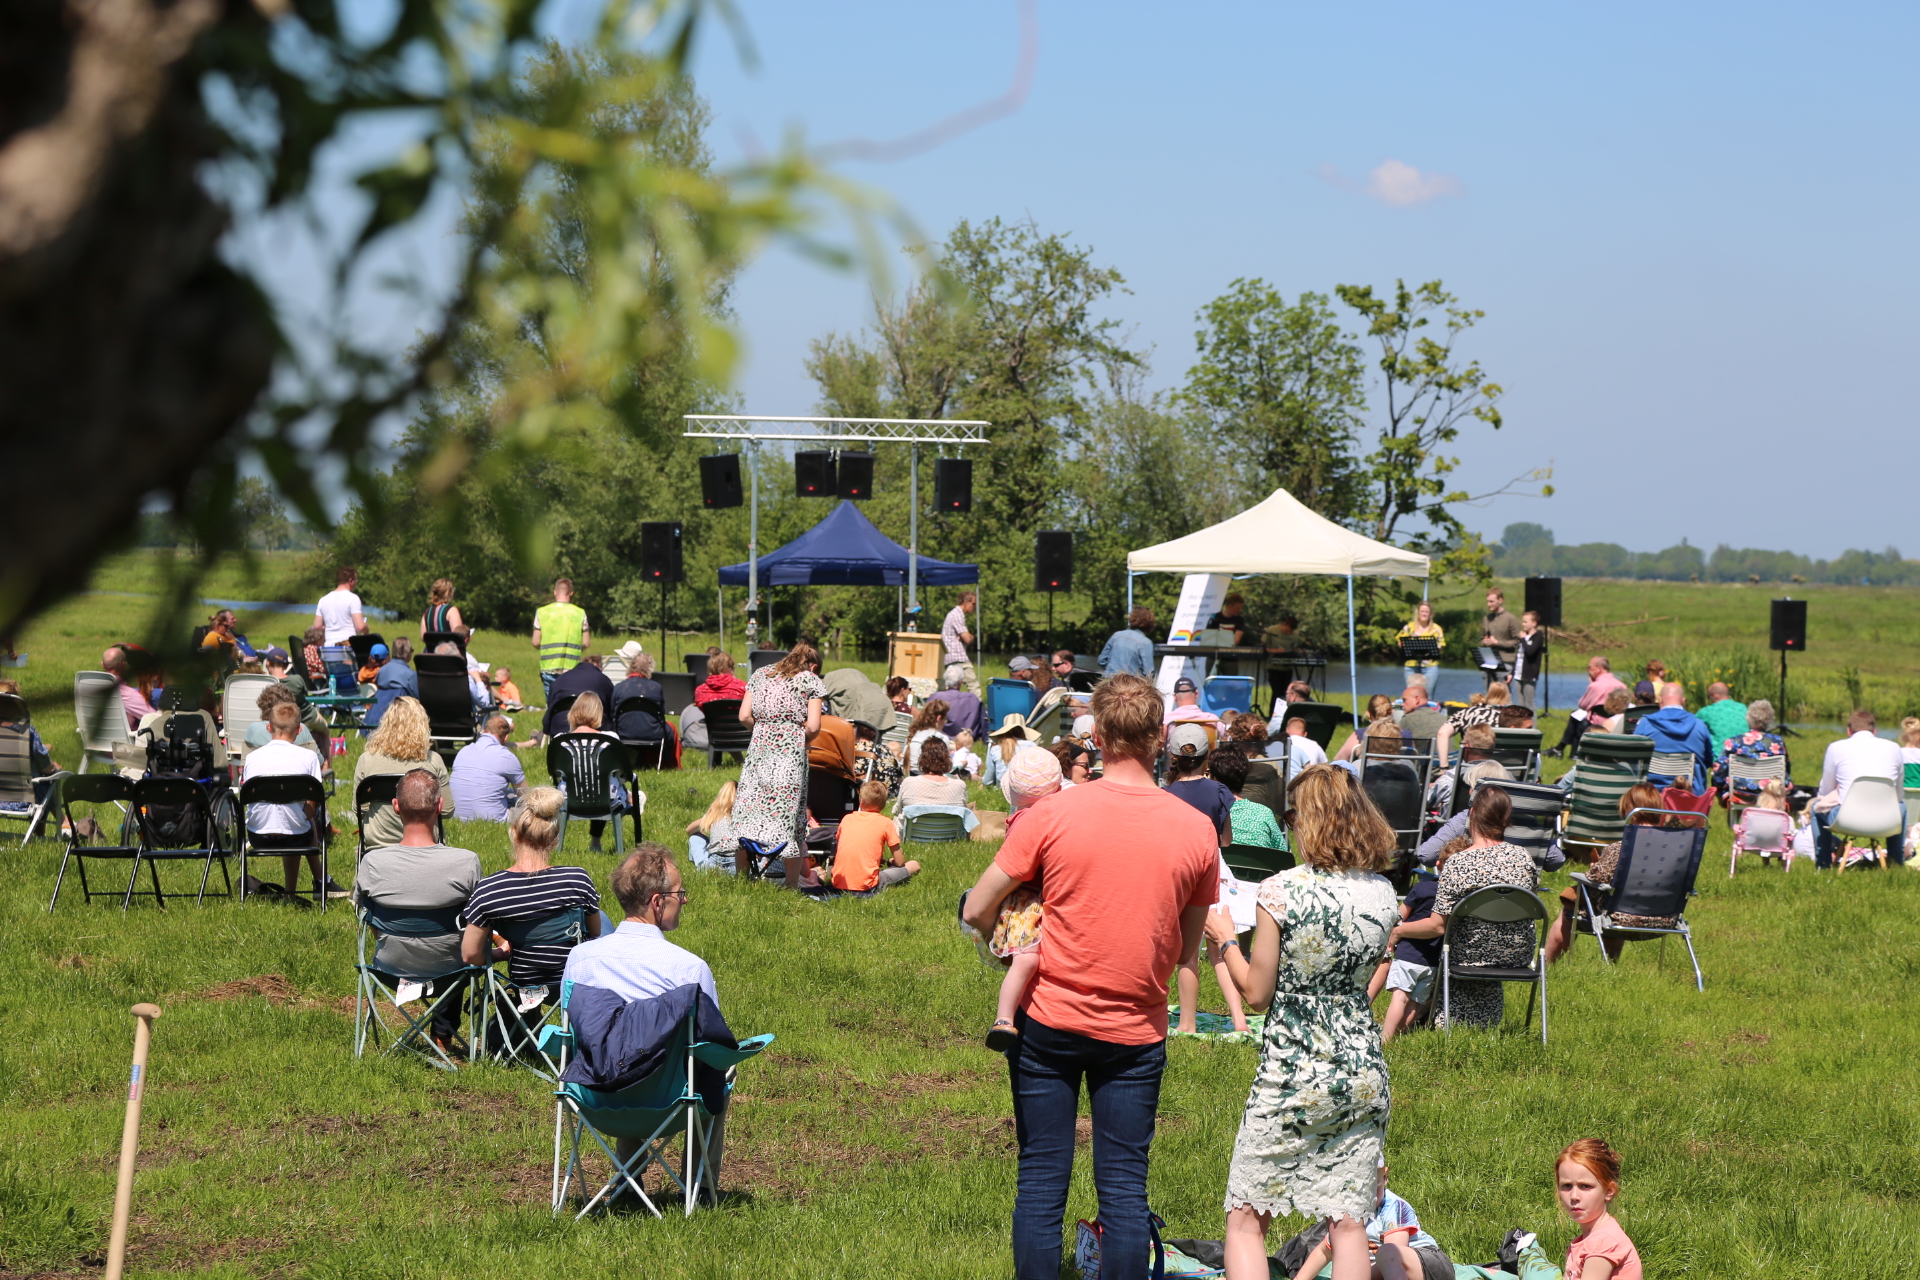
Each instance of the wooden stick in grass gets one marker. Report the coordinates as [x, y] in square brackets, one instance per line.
[130, 1140]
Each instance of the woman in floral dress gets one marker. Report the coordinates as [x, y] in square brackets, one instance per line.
[1315, 1126]
[1487, 860]
[783, 706]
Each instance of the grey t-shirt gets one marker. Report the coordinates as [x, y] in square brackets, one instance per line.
[433, 877]
[1425, 722]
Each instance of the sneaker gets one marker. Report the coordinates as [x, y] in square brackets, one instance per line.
[334, 890]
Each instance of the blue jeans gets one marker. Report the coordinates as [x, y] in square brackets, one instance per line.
[1823, 839]
[1123, 1084]
[546, 683]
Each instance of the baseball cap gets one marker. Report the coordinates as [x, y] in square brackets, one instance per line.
[378, 651]
[1185, 685]
[276, 654]
[1020, 664]
[1187, 740]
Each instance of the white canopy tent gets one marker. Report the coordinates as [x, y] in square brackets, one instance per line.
[1281, 535]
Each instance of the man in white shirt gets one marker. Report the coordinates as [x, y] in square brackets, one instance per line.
[286, 826]
[635, 961]
[1301, 750]
[339, 612]
[954, 639]
[1861, 754]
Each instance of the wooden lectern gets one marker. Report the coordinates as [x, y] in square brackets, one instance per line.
[915, 655]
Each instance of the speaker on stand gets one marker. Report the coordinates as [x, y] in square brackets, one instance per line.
[953, 484]
[660, 562]
[1543, 598]
[1787, 630]
[1052, 569]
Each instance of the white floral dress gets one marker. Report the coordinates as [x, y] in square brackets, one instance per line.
[770, 805]
[1316, 1121]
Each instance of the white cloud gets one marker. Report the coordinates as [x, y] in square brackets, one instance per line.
[1395, 182]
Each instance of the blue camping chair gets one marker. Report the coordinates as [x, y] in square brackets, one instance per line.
[503, 1030]
[1005, 696]
[649, 1113]
[1227, 693]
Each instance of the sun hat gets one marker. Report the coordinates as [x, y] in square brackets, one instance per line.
[1083, 726]
[1015, 723]
[1185, 685]
[1031, 775]
[630, 650]
[1020, 664]
[1187, 740]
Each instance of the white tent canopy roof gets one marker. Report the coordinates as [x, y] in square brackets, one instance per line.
[1280, 535]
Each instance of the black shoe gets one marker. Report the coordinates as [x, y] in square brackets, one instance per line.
[1003, 1038]
[593, 846]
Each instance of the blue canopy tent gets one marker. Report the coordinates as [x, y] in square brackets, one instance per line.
[845, 549]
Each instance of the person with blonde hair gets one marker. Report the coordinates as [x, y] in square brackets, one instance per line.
[440, 615]
[783, 707]
[1379, 711]
[542, 911]
[710, 841]
[1315, 1124]
[402, 743]
[588, 715]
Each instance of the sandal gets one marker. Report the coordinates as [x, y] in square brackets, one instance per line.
[1003, 1038]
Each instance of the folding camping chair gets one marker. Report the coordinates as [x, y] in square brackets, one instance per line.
[111, 799]
[1766, 832]
[648, 1114]
[240, 709]
[1606, 766]
[1681, 799]
[1654, 878]
[1227, 693]
[1519, 750]
[1536, 816]
[447, 700]
[1007, 696]
[1670, 768]
[17, 783]
[401, 1031]
[933, 828]
[100, 717]
[168, 810]
[1394, 785]
[287, 789]
[1322, 719]
[502, 1031]
[1635, 714]
[1503, 903]
[724, 731]
[586, 766]
[639, 702]
[1747, 774]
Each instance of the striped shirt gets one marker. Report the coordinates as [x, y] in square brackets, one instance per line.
[522, 897]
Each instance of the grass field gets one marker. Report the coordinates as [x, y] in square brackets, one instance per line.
[1769, 1125]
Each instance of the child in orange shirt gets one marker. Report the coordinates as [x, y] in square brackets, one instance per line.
[865, 838]
[505, 689]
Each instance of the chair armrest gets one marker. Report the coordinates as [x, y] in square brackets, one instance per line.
[721, 1057]
[553, 1039]
[1579, 877]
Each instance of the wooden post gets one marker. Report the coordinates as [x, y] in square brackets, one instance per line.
[130, 1140]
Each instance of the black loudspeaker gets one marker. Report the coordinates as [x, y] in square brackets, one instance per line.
[660, 551]
[953, 484]
[1789, 625]
[1543, 598]
[1053, 561]
[813, 474]
[720, 480]
[856, 476]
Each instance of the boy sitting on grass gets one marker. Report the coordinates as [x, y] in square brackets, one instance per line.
[1401, 1250]
[865, 839]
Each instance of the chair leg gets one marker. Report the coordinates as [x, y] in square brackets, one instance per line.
[1446, 990]
[59, 878]
[1543, 997]
[1699, 980]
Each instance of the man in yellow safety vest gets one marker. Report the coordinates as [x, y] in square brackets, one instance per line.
[560, 633]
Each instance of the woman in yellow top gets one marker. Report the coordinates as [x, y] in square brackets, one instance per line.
[1423, 627]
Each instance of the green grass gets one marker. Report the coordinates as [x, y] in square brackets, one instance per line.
[1767, 1125]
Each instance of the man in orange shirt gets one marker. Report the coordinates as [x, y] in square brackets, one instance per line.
[1127, 873]
[865, 838]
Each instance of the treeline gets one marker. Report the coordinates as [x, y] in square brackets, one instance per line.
[1351, 400]
[1525, 550]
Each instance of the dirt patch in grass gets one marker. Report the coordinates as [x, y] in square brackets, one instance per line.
[272, 987]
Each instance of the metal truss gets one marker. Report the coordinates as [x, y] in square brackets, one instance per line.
[833, 431]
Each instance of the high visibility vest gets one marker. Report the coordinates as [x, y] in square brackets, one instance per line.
[560, 626]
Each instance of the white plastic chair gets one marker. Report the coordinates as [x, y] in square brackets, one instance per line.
[1871, 811]
[100, 716]
[240, 709]
[1677, 765]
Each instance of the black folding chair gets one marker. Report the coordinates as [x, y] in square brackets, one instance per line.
[110, 798]
[1393, 784]
[378, 791]
[447, 700]
[1654, 878]
[287, 789]
[724, 731]
[1255, 862]
[164, 809]
[585, 766]
[640, 703]
[1504, 904]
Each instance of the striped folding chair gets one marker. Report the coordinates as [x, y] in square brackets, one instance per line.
[1519, 750]
[17, 783]
[1745, 774]
[1606, 766]
[1670, 768]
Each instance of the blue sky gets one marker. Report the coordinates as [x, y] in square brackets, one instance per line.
[1690, 229]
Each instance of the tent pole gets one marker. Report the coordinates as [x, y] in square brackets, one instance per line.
[913, 528]
[1129, 593]
[1353, 659]
[899, 609]
[753, 545]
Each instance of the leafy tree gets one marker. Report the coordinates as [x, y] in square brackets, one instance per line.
[1428, 396]
[1282, 388]
[262, 515]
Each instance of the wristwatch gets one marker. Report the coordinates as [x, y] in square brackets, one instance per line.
[1230, 942]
